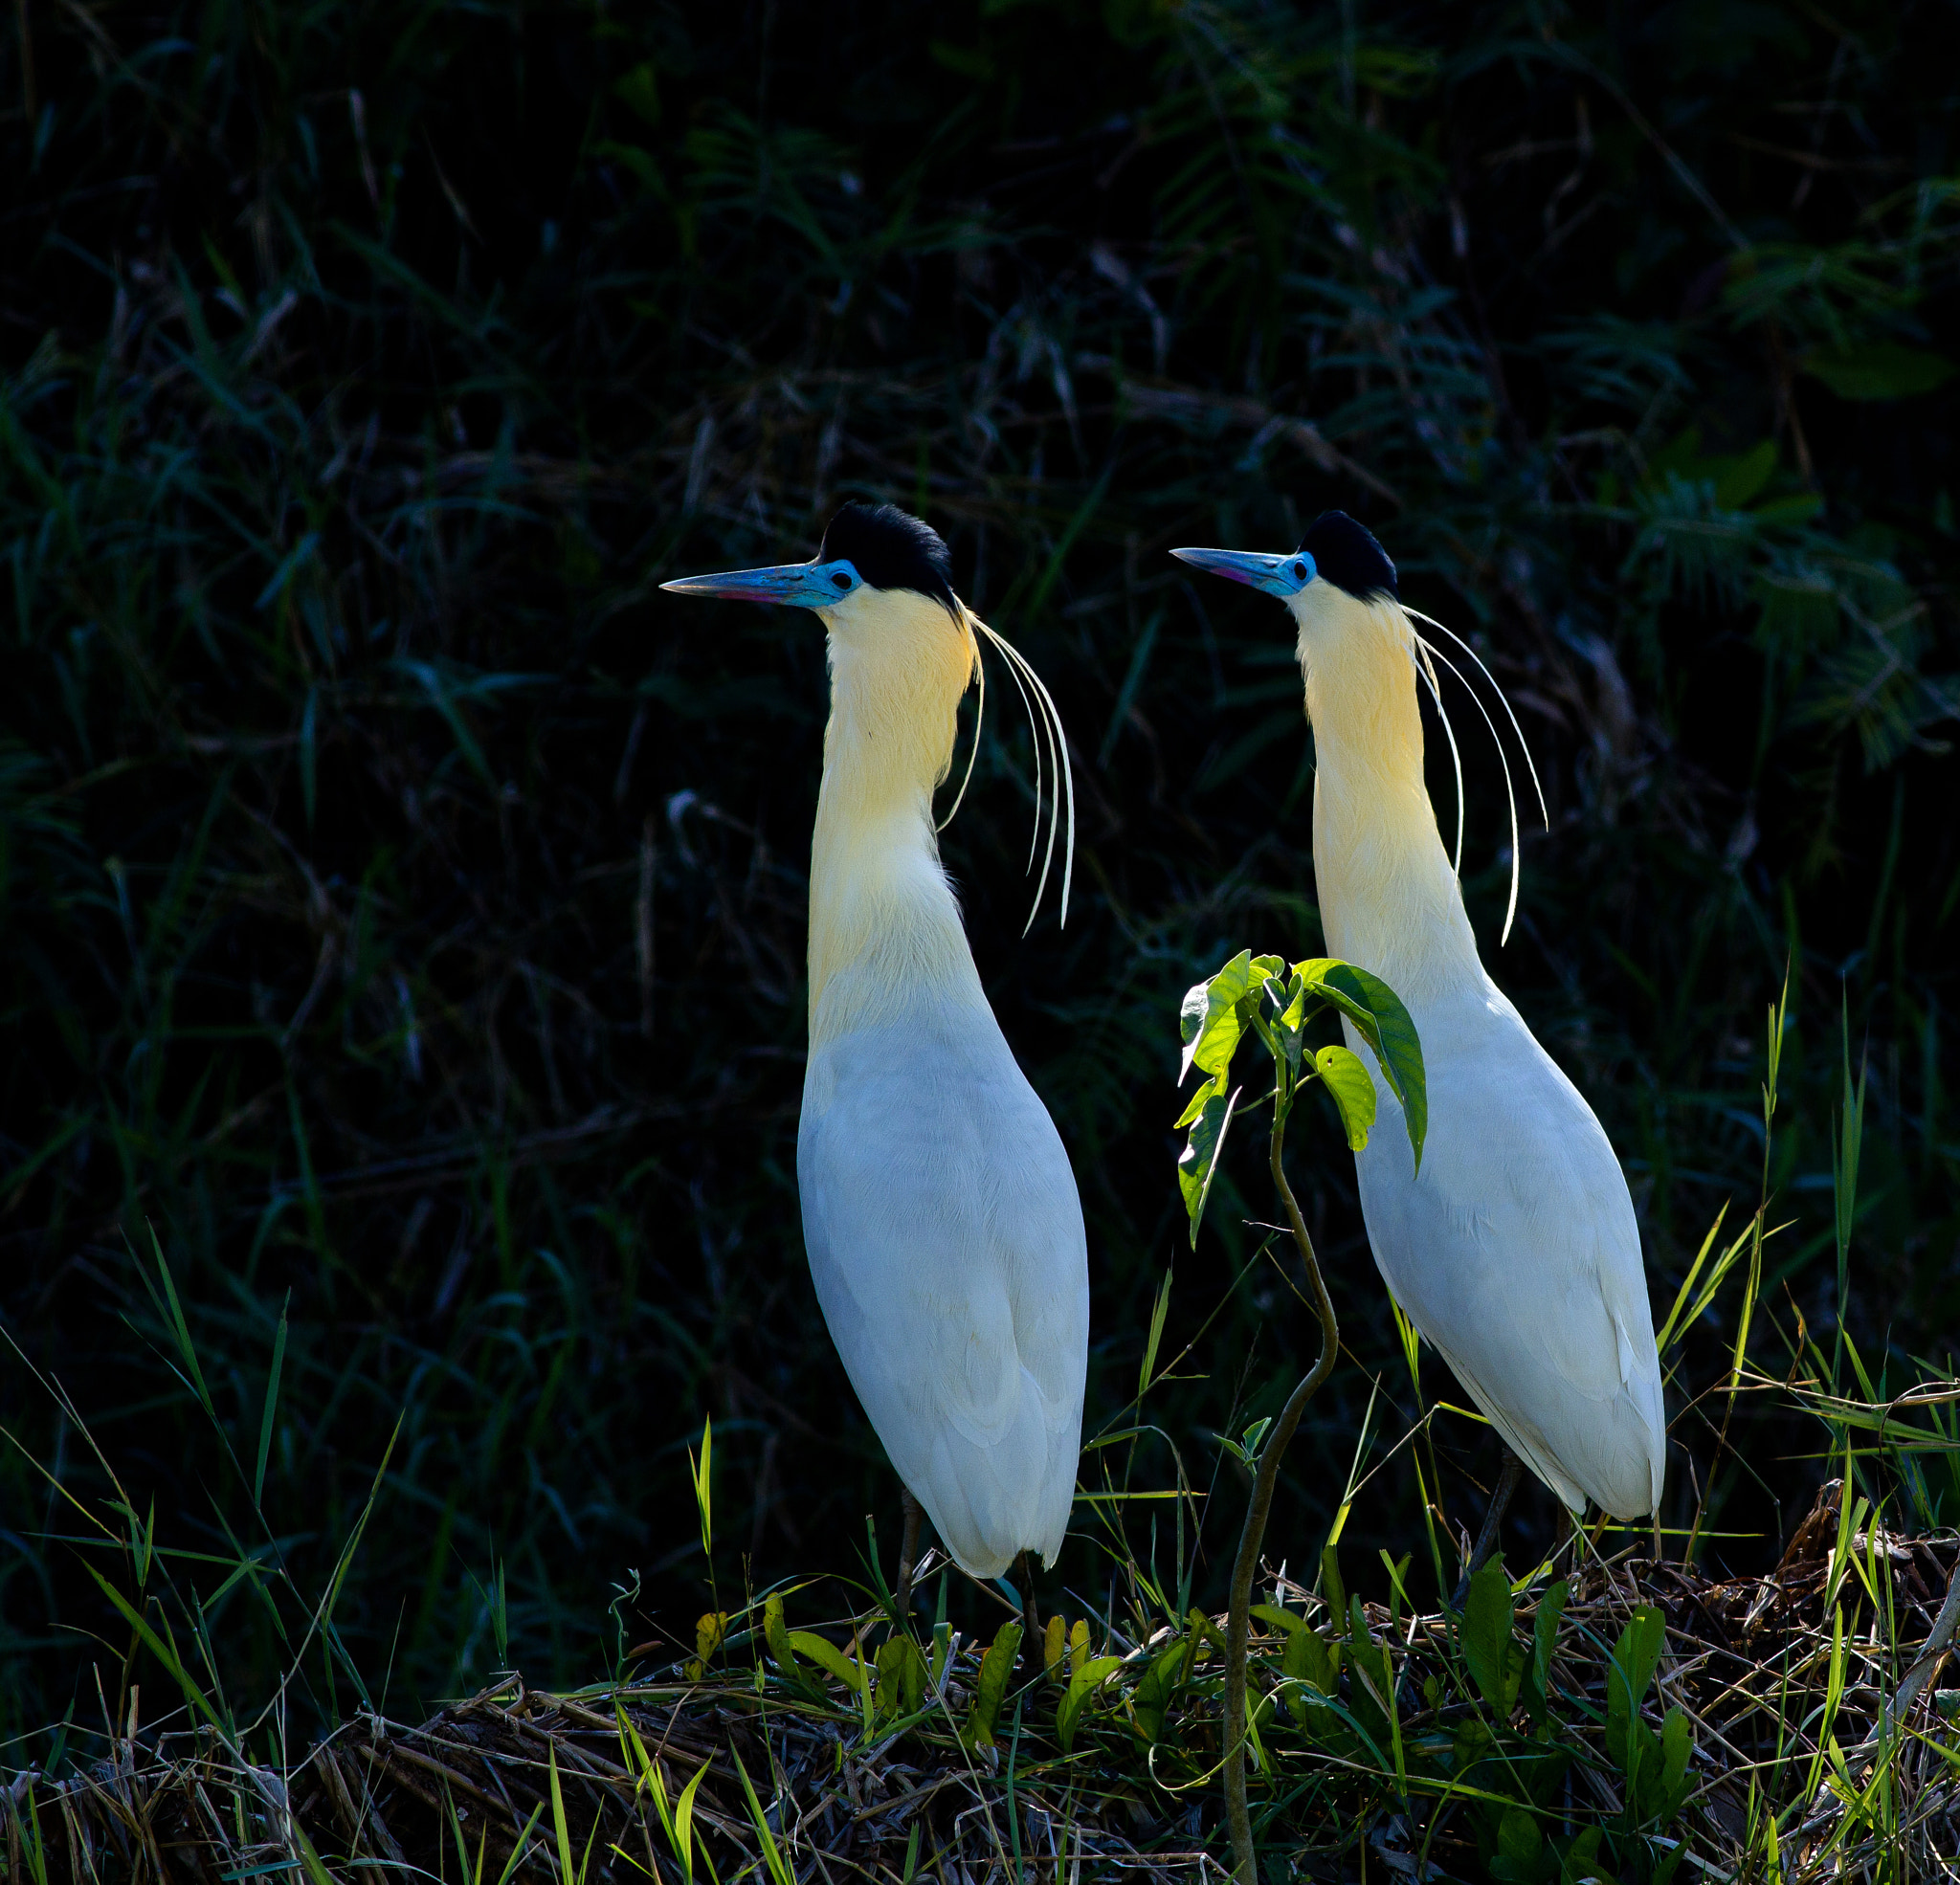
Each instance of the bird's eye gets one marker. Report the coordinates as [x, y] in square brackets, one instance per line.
[1299, 573]
[843, 581]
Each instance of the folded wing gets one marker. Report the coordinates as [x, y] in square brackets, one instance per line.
[1517, 1255]
[946, 1241]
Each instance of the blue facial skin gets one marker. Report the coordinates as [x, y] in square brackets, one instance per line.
[1282, 576]
[793, 584]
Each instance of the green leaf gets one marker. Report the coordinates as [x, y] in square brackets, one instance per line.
[1385, 1024]
[1158, 1310]
[1520, 1857]
[641, 165]
[780, 1873]
[558, 1819]
[164, 1653]
[634, 1752]
[174, 1315]
[1488, 1649]
[524, 1840]
[1742, 477]
[316, 1869]
[1196, 1103]
[1352, 1088]
[828, 1657]
[1286, 1030]
[640, 90]
[1248, 1448]
[1799, 507]
[300, 553]
[442, 697]
[1306, 1661]
[969, 61]
[272, 1401]
[1544, 1645]
[996, 1666]
[1152, 1696]
[1314, 1661]
[1212, 1018]
[1582, 1864]
[1677, 1744]
[1199, 1160]
[901, 1677]
[1191, 1019]
[684, 1818]
[1879, 369]
[776, 1634]
[704, 1486]
[1471, 1743]
[1635, 1657]
[1082, 1685]
[1372, 1680]
[1333, 1589]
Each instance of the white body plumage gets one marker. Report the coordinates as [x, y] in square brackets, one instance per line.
[940, 1213]
[1515, 1251]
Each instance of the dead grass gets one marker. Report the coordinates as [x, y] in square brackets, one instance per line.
[1784, 1681]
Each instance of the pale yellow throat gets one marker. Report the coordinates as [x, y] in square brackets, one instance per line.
[1389, 898]
[884, 926]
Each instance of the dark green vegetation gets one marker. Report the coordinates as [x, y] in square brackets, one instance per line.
[402, 902]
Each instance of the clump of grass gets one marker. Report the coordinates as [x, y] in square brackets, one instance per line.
[1616, 1721]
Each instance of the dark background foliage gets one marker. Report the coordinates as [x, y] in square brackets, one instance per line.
[402, 901]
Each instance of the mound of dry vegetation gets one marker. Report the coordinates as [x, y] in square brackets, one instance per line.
[1612, 1724]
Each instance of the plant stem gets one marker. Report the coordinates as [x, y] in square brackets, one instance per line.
[1239, 1620]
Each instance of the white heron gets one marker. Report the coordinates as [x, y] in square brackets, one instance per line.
[1515, 1252]
[940, 1212]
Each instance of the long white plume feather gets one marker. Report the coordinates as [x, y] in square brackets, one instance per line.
[1047, 723]
[1044, 721]
[1510, 792]
[973, 752]
[1038, 722]
[1524, 745]
[1436, 694]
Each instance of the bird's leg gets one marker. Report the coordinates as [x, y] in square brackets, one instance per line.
[1565, 1534]
[908, 1548]
[1031, 1620]
[1507, 1478]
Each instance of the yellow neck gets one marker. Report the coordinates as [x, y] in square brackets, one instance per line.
[884, 926]
[1388, 900]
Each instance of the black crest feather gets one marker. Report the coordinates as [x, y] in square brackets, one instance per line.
[892, 550]
[1346, 554]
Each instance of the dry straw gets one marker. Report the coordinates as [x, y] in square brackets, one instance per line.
[845, 1768]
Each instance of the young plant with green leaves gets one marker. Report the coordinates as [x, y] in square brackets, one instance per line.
[1259, 995]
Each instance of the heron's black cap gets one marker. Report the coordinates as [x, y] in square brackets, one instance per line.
[1346, 554]
[892, 550]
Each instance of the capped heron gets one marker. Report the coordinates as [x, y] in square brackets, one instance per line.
[940, 1212]
[1515, 1252]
